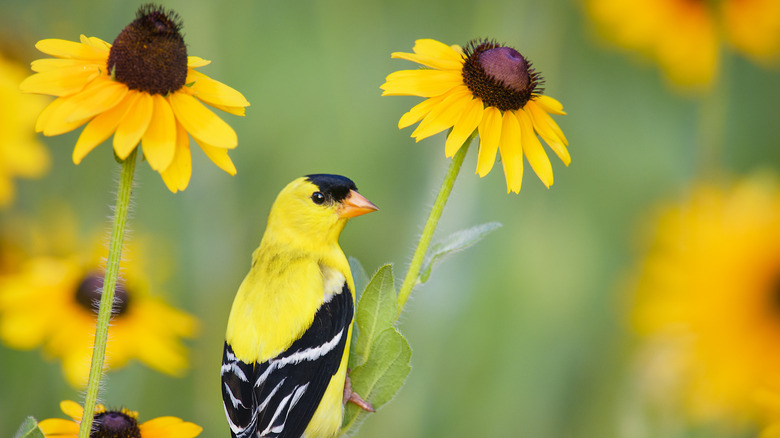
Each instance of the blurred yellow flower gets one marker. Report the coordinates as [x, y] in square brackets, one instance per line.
[116, 424]
[685, 36]
[143, 88]
[768, 398]
[489, 88]
[21, 155]
[52, 301]
[708, 288]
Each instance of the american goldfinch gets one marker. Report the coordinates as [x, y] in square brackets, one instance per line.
[287, 343]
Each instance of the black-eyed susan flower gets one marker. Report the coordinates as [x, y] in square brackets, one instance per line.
[685, 37]
[21, 154]
[708, 292]
[116, 423]
[142, 88]
[51, 301]
[489, 88]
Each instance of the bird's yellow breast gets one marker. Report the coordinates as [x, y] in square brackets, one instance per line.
[278, 299]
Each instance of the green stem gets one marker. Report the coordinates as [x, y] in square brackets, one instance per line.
[121, 209]
[412, 278]
[712, 114]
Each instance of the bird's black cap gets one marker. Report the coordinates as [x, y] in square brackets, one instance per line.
[334, 187]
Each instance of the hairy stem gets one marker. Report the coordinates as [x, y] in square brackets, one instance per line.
[121, 209]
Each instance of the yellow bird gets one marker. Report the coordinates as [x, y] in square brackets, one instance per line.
[284, 364]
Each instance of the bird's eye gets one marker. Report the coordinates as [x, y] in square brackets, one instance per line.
[318, 198]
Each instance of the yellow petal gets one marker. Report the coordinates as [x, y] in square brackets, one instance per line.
[435, 63]
[444, 115]
[549, 104]
[235, 110]
[419, 111]
[490, 135]
[27, 159]
[96, 98]
[436, 49]
[72, 409]
[771, 431]
[59, 428]
[101, 127]
[60, 82]
[70, 49]
[23, 331]
[511, 152]
[177, 176]
[169, 427]
[219, 156]
[160, 423]
[423, 83]
[95, 42]
[434, 54]
[133, 125]
[73, 111]
[214, 92]
[163, 354]
[464, 127]
[159, 140]
[543, 123]
[534, 151]
[75, 367]
[47, 64]
[201, 122]
[45, 115]
[560, 150]
[196, 61]
[52, 121]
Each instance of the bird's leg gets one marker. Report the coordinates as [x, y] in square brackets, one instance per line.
[354, 397]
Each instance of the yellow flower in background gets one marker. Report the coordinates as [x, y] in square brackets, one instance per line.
[685, 37]
[21, 154]
[708, 289]
[753, 27]
[768, 398]
[51, 301]
[489, 88]
[116, 423]
[143, 88]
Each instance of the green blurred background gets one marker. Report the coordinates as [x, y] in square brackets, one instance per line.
[524, 334]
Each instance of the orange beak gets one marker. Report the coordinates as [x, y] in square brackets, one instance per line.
[355, 204]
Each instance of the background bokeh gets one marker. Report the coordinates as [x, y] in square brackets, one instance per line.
[524, 334]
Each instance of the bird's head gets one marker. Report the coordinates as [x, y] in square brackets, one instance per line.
[313, 209]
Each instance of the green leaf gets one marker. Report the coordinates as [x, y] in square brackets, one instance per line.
[455, 242]
[29, 429]
[380, 378]
[359, 275]
[375, 313]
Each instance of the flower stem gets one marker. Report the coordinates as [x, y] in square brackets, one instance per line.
[121, 209]
[412, 278]
[711, 125]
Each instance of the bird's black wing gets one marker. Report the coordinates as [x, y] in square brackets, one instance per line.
[286, 390]
[237, 394]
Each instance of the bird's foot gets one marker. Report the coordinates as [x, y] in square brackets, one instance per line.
[354, 397]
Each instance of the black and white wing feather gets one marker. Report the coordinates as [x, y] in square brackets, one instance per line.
[277, 398]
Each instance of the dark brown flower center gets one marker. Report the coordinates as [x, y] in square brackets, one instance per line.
[113, 424]
[499, 75]
[91, 289]
[149, 54]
